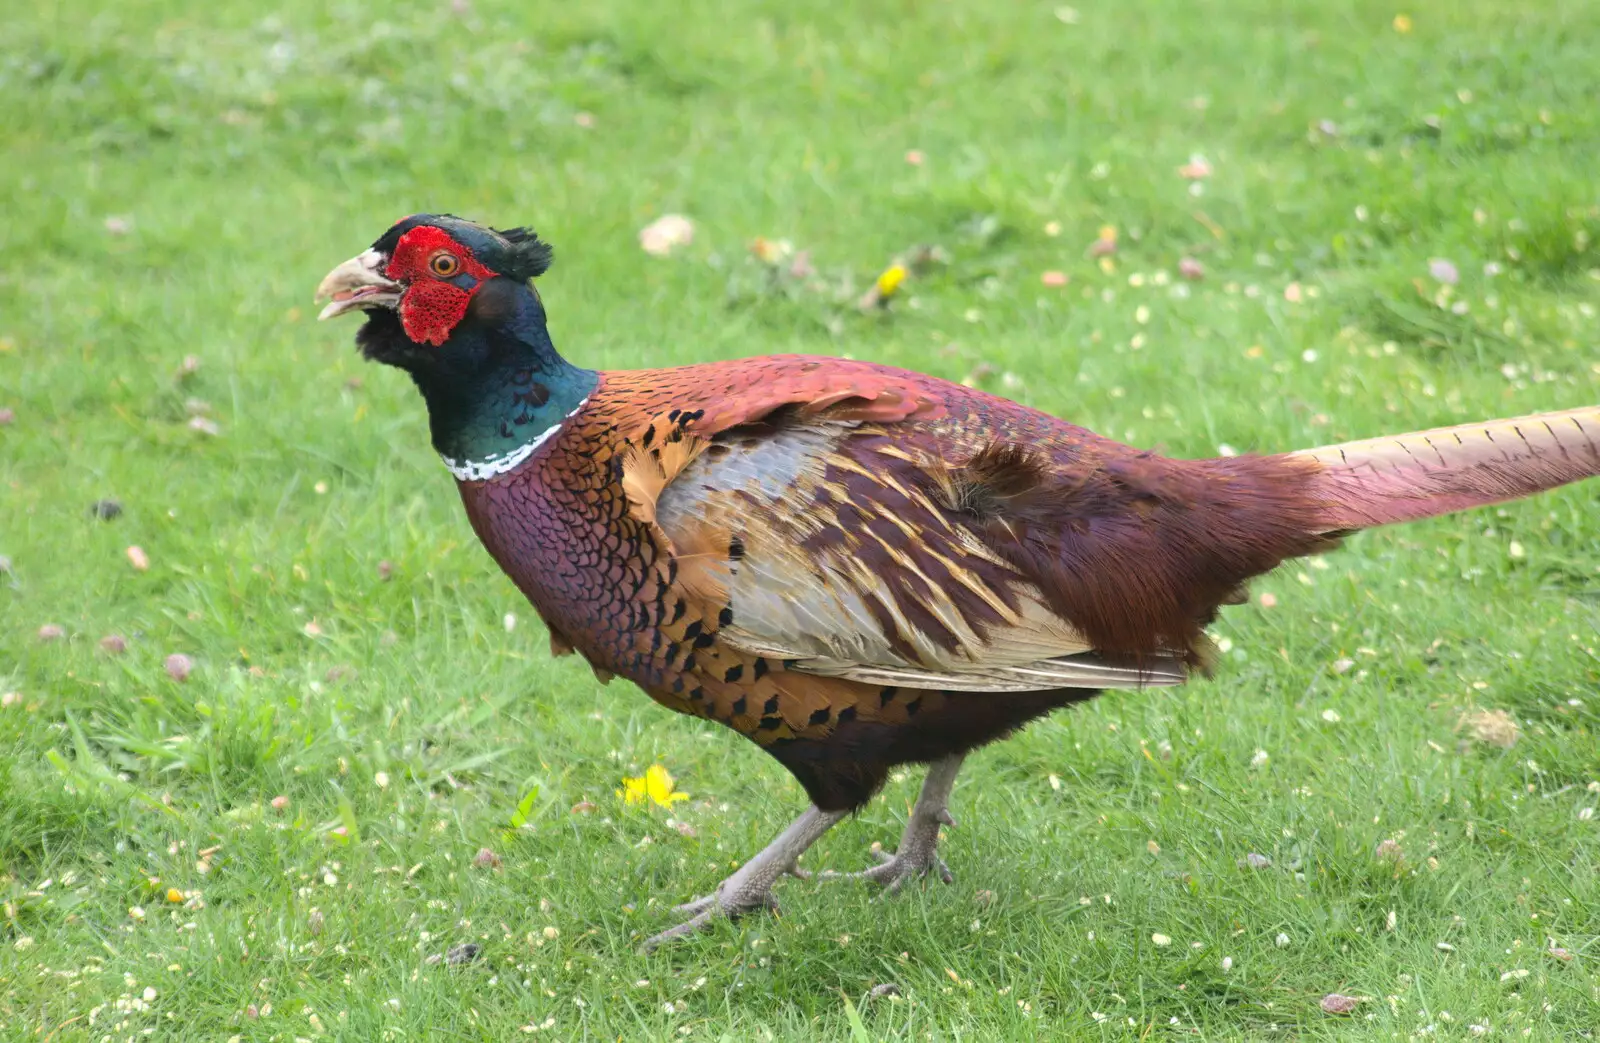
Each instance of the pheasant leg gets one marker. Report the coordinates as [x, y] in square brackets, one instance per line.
[750, 886]
[918, 853]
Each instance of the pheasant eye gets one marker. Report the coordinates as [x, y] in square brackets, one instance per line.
[444, 265]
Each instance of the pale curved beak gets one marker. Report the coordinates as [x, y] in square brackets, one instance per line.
[358, 283]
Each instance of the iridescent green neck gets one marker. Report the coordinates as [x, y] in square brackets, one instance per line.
[500, 392]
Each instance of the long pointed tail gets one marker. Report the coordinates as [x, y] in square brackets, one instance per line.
[1405, 477]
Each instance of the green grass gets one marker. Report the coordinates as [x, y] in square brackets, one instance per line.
[241, 151]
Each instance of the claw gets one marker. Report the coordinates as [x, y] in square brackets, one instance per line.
[892, 871]
[695, 906]
[702, 911]
[688, 927]
[945, 817]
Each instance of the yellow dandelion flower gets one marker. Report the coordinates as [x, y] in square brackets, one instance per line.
[655, 785]
[1402, 23]
[890, 280]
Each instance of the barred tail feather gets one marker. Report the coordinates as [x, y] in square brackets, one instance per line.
[1400, 478]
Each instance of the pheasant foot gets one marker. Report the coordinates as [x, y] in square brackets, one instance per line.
[750, 886]
[918, 853]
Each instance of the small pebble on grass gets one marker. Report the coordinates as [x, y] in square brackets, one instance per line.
[1336, 1003]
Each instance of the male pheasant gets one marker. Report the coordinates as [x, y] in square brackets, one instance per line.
[857, 566]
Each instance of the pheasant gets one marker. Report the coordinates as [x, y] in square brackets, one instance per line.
[857, 566]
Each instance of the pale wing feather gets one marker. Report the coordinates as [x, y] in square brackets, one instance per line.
[1086, 671]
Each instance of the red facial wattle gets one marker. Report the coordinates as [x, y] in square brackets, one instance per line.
[434, 303]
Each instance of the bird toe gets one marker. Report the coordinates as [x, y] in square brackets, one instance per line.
[893, 870]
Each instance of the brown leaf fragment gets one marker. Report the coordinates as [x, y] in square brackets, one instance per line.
[1491, 727]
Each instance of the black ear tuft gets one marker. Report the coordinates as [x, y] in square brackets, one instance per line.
[529, 256]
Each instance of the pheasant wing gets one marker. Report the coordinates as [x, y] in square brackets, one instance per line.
[836, 548]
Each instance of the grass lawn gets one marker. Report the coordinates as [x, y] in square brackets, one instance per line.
[1395, 218]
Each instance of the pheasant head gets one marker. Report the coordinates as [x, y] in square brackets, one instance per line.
[451, 303]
